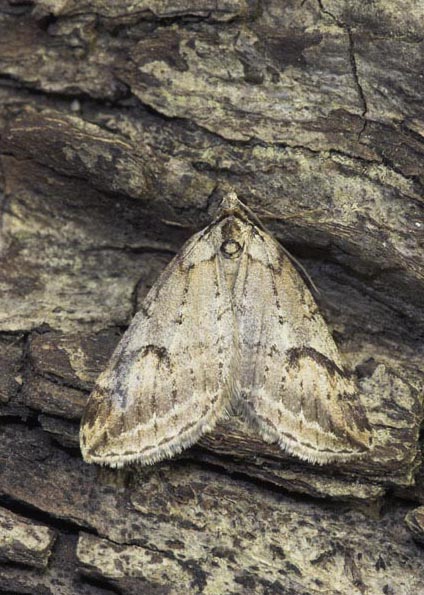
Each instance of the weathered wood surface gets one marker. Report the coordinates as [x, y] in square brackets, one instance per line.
[121, 124]
[24, 542]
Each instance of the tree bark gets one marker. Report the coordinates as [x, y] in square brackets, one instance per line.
[122, 124]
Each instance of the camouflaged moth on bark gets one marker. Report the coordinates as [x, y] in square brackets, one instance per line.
[229, 326]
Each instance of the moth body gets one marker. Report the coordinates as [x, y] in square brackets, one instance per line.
[229, 324]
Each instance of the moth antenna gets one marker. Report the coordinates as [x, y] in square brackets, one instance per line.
[176, 224]
[301, 267]
[286, 252]
[269, 215]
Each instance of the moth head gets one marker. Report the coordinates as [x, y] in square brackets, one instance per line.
[231, 205]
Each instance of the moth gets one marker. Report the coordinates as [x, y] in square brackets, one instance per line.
[229, 326]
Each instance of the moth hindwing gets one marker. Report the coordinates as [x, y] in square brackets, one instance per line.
[228, 325]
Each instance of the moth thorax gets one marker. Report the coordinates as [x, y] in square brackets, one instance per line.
[232, 238]
[231, 249]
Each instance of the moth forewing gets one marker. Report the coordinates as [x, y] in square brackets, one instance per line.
[229, 321]
[167, 383]
[294, 387]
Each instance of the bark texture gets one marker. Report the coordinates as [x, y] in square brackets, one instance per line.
[121, 125]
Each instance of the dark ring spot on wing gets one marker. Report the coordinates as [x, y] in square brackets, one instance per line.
[231, 249]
